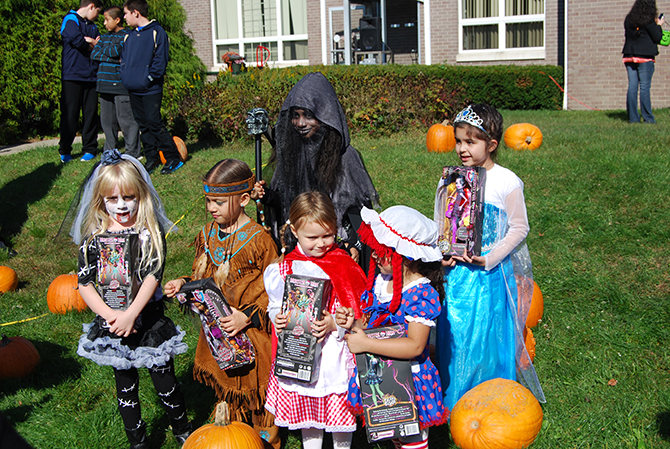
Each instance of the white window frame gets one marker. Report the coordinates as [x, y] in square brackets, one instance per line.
[240, 42]
[501, 53]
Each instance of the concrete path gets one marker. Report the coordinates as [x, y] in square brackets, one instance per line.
[11, 149]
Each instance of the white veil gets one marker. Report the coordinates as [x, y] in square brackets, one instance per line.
[112, 157]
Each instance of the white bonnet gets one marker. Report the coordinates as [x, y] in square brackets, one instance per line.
[406, 230]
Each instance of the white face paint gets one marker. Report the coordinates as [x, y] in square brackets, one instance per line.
[122, 208]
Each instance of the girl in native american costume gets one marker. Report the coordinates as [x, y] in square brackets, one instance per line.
[234, 250]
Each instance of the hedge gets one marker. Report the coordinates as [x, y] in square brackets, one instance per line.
[30, 61]
[377, 99]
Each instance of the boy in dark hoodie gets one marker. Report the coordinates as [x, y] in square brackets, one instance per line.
[79, 35]
[143, 64]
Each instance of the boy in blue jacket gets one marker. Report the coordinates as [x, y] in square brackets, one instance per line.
[143, 64]
[79, 35]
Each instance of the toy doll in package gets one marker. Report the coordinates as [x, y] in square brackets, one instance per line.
[117, 279]
[387, 391]
[206, 300]
[297, 349]
[459, 206]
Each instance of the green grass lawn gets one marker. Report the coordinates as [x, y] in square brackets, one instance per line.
[598, 204]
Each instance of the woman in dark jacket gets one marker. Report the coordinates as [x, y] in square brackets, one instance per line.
[643, 33]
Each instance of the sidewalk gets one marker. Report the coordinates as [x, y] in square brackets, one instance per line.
[12, 149]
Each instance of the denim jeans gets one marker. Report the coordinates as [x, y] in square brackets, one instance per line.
[639, 74]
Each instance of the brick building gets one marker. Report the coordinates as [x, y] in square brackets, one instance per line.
[459, 32]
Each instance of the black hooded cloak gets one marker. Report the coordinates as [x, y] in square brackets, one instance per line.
[326, 162]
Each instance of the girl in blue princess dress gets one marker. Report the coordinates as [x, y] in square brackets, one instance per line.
[408, 292]
[480, 335]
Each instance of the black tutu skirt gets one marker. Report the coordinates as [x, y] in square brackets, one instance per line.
[156, 341]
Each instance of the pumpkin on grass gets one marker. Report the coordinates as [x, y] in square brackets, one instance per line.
[498, 413]
[440, 138]
[63, 294]
[181, 147]
[8, 279]
[223, 434]
[529, 341]
[536, 307]
[18, 358]
[523, 136]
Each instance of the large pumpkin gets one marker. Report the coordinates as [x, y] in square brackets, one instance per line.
[440, 138]
[223, 434]
[181, 147]
[536, 307]
[497, 414]
[63, 294]
[8, 279]
[523, 136]
[18, 358]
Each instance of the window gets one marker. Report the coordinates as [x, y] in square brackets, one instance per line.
[280, 26]
[501, 29]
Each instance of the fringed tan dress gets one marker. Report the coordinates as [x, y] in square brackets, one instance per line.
[237, 262]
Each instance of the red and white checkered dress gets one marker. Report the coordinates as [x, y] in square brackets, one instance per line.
[295, 411]
[322, 404]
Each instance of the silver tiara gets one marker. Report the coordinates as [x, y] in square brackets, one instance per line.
[470, 117]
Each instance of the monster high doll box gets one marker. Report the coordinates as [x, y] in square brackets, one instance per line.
[459, 210]
[387, 391]
[204, 298]
[118, 256]
[297, 349]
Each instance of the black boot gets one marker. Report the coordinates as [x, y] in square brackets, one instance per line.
[138, 437]
[181, 431]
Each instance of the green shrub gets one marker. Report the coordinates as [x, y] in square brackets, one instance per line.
[30, 61]
[378, 100]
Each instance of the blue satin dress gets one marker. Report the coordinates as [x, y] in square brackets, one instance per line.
[476, 333]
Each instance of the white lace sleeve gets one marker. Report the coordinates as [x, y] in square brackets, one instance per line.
[517, 220]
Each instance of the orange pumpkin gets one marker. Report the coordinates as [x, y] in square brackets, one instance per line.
[8, 279]
[18, 358]
[63, 294]
[536, 307]
[181, 147]
[223, 434]
[523, 136]
[498, 413]
[440, 138]
[529, 340]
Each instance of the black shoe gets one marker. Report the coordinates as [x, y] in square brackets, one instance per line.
[150, 166]
[139, 446]
[171, 167]
[138, 437]
[182, 437]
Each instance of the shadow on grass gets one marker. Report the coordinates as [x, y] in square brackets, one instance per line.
[663, 423]
[54, 368]
[617, 115]
[17, 194]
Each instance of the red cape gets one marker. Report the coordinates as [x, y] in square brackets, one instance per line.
[348, 278]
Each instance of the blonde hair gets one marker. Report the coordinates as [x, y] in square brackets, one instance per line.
[129, 180]
[310, 207]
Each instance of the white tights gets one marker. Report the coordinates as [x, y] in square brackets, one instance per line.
[313, 439]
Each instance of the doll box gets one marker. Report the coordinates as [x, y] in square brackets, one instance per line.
[459, 210]
[298, 353]
[206, 300]
[387, 391]
[118, 257]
